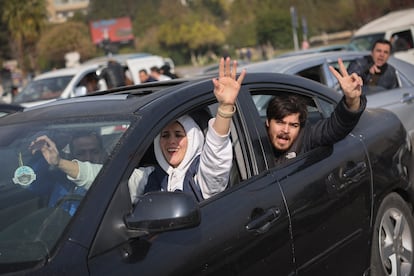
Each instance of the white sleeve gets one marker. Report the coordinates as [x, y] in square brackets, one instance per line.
[137, 182]
[87, 173]
[215, 163]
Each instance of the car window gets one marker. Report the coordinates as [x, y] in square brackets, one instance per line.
[314, 112]
[38, 200]
[317, 109]
[43, 89]
[364, 42]
[313, 73]
[371, 88]
[148, 171]
[402, 41]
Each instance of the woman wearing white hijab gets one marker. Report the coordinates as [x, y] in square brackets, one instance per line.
[186, 161]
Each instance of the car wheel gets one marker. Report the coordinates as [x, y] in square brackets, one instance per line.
[392, 243]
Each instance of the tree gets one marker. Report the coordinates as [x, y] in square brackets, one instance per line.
[25, 21]
[53, 46]
[274, 27]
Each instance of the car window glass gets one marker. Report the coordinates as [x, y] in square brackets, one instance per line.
[37, 200]
[346, 64]
[313, 73]
[43, 89]
[402, 41]
[317, 109]
[364, 42]
[314, 113]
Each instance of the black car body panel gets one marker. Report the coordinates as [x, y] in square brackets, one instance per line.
[312, 216]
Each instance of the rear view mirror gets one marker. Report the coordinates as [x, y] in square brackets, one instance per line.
[163, 211]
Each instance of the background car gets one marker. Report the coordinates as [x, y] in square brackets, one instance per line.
[316, 67]
[72, 82]
[344, 208]
[56, 84]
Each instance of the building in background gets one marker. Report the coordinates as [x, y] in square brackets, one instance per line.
[61, 10]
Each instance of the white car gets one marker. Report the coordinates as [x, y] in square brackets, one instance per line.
[56, 84]
[71, 82]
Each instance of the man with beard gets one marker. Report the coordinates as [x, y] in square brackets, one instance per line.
[291, 134]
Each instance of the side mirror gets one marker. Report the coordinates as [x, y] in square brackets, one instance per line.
[163, 211]
[80, 91]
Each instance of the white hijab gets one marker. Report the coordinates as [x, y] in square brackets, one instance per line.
[195, 142]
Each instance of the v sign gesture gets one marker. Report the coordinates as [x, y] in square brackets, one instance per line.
[351, 85]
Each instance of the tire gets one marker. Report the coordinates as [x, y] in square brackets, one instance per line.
[392, 251]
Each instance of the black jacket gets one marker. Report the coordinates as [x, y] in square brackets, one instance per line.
[386, 79]
[325, 132]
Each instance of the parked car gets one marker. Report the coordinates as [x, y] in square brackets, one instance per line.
[342, 209]
[315, 67]
[72, 82]
[57, 84]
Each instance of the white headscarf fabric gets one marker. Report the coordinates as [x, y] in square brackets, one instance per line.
[195, 142]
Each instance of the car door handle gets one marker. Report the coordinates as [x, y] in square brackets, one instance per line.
[407, 98]
[263, 222]
[355, 170]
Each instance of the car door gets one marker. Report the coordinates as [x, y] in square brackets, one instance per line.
[243, 230]
[328, 193]
[398, 100]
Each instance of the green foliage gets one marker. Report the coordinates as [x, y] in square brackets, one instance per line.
[25, 21]
[182, 29]
[53, 45]
[274, 27]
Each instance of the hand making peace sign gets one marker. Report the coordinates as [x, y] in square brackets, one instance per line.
[351, 85]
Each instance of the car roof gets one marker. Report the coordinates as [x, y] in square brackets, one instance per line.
[126, 101]
[326, 48]
[291, 64]
[123, 101]
[71, 71]
[387, 22]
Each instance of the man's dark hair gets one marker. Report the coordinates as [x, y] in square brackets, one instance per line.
[155, 69]
[114, 74]
[283, 105]
[381, 41]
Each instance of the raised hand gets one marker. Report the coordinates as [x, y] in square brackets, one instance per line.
[351, 85]
[226, 87]
[48, 149]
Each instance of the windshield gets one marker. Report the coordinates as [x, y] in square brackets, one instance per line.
[365, 42]
[37, 199]
[43, 89]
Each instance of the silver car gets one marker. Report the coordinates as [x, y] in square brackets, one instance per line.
[315, 66]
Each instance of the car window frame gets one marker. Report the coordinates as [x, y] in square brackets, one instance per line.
[324, 105]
